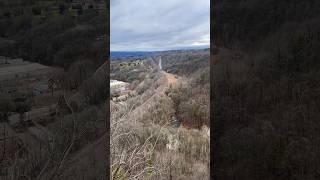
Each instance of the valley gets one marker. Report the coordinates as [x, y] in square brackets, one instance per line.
[153, 120]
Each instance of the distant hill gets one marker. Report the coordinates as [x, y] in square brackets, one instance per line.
[142, 54]
[52, 29]
[130, 54]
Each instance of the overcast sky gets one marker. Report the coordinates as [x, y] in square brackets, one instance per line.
[147, 25]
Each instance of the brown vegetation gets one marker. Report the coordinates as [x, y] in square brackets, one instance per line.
[265, 96]
[145, 143]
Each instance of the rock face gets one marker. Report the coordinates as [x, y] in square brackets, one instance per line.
[117, 84]
[205, 131]
[175, 122]
[173, 143]
[119, 88]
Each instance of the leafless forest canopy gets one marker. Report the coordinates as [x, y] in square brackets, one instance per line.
[265, 98]
[160, 117]
[53, 90]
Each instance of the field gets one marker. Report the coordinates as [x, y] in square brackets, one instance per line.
[18, 68]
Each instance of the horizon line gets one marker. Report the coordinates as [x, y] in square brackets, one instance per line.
[177, 49]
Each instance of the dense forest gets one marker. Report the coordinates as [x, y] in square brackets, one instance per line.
[48, 31]
[265, 89]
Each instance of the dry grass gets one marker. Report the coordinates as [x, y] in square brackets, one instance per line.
[144, 146]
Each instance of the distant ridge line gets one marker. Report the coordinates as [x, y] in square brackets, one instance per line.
[142, 54]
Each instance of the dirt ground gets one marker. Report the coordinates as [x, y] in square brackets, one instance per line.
[171, 78]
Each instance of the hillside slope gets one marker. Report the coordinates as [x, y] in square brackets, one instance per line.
[265, 89]
[146, 135]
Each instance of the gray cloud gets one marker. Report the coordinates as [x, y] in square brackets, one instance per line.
[159, 24]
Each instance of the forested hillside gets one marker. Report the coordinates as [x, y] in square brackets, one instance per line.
[53, 89]
[248, 21]
[185, 62]
[265, 90]
[47, 31]
[190, 99]
[166, 109]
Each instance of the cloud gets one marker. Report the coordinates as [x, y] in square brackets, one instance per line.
[159, 24]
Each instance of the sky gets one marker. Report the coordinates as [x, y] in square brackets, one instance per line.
[155, 25]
